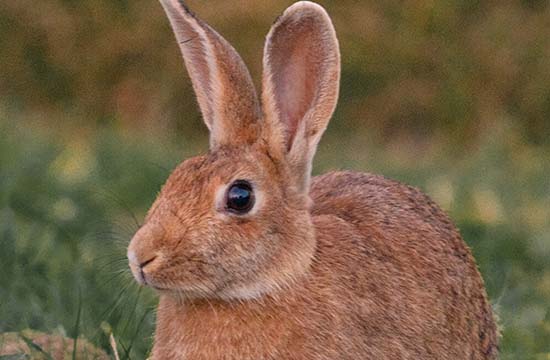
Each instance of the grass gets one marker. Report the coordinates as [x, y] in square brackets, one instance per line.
[69, 204]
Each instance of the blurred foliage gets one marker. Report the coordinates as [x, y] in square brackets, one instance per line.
[446, 68]
[95, 110]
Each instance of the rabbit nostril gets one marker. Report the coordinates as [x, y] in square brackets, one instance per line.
[146, 262]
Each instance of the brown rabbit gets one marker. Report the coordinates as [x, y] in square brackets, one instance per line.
[254, 260]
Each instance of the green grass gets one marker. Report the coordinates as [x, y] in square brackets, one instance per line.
[68, 207]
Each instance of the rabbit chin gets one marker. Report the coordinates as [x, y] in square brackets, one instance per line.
[241, 292]
[251, 291]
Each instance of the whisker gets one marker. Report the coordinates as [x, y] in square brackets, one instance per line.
[121, 203]
[134, 307]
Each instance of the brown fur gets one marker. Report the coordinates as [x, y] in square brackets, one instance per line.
[346, 266]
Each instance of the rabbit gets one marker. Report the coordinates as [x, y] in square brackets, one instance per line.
[254, 259]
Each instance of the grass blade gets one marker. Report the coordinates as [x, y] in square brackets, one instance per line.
[113, 346]
[77, 324]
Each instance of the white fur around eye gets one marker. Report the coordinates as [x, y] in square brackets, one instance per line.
[220, 200]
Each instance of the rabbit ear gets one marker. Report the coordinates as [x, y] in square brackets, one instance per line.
[300, 83]
[222, 83]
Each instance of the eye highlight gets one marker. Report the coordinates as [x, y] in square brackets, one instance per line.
[240, 197]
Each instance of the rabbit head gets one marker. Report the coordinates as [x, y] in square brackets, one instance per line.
[235, 223]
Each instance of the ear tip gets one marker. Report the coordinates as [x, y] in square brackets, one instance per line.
[301, 10]
[301, 7]
[306, 3]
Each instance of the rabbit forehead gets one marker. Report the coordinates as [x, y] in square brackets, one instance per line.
[196, 182]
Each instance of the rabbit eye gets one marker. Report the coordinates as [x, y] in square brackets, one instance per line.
[240, 197]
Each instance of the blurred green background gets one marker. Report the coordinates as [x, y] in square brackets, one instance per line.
[96, 109]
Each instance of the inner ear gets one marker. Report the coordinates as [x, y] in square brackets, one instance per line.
[293, 62]
[296, 82]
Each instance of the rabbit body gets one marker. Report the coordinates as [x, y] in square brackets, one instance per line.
[253, 259]
[391, 279]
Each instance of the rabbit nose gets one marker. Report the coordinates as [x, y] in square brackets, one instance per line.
[144, 249]
[138, 266]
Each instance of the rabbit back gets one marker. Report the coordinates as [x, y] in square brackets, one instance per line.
[407, 276]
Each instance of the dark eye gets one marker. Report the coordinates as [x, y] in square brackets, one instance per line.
[240, 197]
